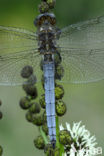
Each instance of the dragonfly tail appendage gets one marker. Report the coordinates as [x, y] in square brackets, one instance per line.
[50, 100]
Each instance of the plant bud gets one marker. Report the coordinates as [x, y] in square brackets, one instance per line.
[64, 137]
[39, 142]
[51, 3]
[37, 119]
[27, 71]
[59, 92]
[43, 7]
[35, 108]
[29, 116]
[60, 108]
[25, 103]
[30, 90]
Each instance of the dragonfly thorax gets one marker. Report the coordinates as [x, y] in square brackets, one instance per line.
[50, 17]
[47, 33]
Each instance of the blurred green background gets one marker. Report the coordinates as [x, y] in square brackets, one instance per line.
[84, 102]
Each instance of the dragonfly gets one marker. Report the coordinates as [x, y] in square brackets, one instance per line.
[81, 47]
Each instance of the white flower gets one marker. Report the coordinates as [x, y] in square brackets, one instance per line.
[82, 143]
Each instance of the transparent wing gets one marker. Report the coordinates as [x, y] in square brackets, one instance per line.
[18, 47]
[83, 68]
[82, 50]
[15, 39]
[12, 64]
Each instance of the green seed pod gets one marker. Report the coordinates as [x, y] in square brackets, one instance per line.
[1, 115]
[60, 108]
[35, 108]
[59, 92]
[30, 90]
[1, 150]
[29, 116]
[37, 119]
[59, 72]
[45, 128]
[43, 7]
[39, 142]
[64, 137]
[27, 71]
[25, 102]
[42, 101]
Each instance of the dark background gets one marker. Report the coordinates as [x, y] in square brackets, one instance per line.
[84, 102]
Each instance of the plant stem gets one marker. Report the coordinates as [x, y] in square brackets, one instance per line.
[60, 146]
[43, 135]
[57, 132]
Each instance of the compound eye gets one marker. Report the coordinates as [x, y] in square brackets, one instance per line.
[39, 20]
[52, 20]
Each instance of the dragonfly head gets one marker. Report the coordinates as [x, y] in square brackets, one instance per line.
[46, 17]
